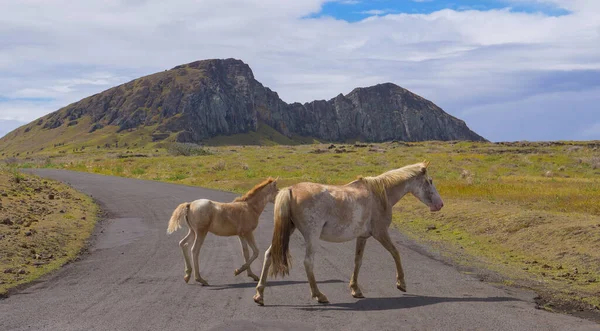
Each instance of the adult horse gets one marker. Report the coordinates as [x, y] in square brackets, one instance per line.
[358, 210]
[237, 218]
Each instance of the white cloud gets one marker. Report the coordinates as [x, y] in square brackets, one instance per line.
[374, 12]
[546, 116]
[7, 126]
[463, 61]
[592, 132]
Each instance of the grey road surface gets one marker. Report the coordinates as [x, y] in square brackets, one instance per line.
[132, 279]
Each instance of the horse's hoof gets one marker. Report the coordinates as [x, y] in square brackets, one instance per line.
[202, 281]
[356, 291]
[357, 294]
[186, 278]
[321, 298]
[401, 287]
[259, 300]
[237, 272]
[255, 277]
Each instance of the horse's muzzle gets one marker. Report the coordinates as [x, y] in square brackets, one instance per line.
[437, 206]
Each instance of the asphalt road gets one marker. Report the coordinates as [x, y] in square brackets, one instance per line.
[132, 279]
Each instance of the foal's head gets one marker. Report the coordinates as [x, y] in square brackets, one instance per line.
[266, 189]
[423, 188]
[271, 190]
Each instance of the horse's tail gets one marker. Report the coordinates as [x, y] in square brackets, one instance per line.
[280, 246]
[178, 217]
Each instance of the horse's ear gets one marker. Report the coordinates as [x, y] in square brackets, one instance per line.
[276, 179]
[424, 167]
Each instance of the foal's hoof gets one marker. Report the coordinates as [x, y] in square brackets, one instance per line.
[186, 278]
[401, 286]
[202, 281]
[255, 277]
[259, 299]
[321, 298]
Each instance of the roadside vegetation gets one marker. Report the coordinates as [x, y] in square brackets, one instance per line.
[528, 211]
[43, 225]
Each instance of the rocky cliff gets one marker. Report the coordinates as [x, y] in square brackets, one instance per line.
[208, 98]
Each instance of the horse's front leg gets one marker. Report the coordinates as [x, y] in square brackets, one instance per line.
[358, 256]
[386, 241]
[311, 245]
[260, 288]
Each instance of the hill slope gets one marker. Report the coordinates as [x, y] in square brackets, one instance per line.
[204, 99]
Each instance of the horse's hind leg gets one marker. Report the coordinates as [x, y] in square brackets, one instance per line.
[358, 256]
[244, 241]
[311, 245]
[386, 241]
[184, 244]
[195, 254]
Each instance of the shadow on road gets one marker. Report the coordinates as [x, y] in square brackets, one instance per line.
[269, 284]
[392, 303]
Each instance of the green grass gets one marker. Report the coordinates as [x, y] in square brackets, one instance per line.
[263, 136]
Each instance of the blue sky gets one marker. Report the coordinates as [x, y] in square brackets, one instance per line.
[356, 10]
[512, 69]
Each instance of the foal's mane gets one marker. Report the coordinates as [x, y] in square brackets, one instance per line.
[380, 183]
[254, 190]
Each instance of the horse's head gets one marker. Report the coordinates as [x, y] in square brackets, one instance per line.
[272, 190]
[423, 188]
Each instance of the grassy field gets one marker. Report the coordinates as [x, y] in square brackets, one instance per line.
[529, 211]
[43, 225]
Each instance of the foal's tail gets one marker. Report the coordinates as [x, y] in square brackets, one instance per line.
[280, 246]
[178, 217]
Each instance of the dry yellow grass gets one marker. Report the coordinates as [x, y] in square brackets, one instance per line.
[43, 225]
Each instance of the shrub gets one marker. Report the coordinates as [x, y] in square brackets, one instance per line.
[219, 166]
[187, 149]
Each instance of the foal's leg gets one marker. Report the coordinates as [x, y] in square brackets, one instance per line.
[244, 242]
[386, 241]
[311, 245]
[184, 244]
[260, 288]
[252, 243]
[246, 254]
[358, 255]
[195, 254]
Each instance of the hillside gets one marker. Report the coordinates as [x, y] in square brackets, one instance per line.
[199, 101]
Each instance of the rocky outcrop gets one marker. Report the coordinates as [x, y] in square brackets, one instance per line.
[208, 98]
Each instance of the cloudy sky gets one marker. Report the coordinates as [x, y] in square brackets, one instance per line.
[512, 69]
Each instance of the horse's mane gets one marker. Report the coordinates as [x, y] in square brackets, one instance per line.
[380, 183]
[254, 190]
